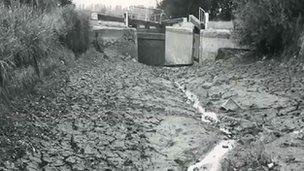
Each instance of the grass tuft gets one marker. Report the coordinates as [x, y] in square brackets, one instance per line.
[38, 40]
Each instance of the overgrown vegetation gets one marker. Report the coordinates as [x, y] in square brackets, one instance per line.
[218, 9]
[36, 39]
[270, 26]
[77, 34]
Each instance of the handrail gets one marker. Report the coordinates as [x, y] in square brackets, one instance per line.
[201, 14]
[200, 8]
[203, 17]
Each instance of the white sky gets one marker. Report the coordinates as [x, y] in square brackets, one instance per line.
[124, 3]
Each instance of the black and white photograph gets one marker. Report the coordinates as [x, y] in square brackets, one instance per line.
[151, 85]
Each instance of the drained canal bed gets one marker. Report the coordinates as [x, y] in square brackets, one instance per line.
[114, 113]
[111, 112]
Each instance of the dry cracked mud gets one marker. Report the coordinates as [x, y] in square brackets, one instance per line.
[111, 113]
[114, 114]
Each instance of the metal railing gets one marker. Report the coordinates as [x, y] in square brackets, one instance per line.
[201, 14]
[203, 17]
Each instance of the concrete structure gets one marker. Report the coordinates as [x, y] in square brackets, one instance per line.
[94, 16]
[221, 25]
[179, 46]
[212, 40]
[182, 42]
[151, 48]
[196, 46]
[123, 41]
[217, 35]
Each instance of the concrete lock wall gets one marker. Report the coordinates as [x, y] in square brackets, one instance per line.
[122, 41]
[217, 35]
[179, 46]
[214, 39]
[196, 47]
[228, 25]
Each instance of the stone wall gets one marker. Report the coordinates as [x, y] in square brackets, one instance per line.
[122, 41]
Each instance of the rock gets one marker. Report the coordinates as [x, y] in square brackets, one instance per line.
[302, 113]
[47, 168]
[225, 146]
[230, 105]
[32, 166]
[58, 163]
[71, 160]
[9, 165]
[271, 165]
[207, 85]
[180, 162]
[66, 153]
[79, 167]
[88, 150]
[46, 158]
[35, 159]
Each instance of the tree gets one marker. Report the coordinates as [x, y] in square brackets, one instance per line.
[270, 26]
[42, 4]
[65, 2]
[218, 9]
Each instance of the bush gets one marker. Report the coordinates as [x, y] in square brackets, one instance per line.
[34, 39]
[270, 26]
[219, 9]
[25, 40]
[72, 27]
[78, 31]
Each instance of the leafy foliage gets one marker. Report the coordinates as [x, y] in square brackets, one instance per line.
[36, 38]
[77, 37]
[25, 40]
[41, 4]
[219, 9]
[270, 26]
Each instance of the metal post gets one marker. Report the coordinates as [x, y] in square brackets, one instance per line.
[206, 20]
[127, 19]
[201, 13]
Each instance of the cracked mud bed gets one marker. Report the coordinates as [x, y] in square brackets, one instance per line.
[111, 113]
[116, 114]
[269, 124]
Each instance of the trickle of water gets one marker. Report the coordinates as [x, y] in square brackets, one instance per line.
[207, 117]
[212, 161]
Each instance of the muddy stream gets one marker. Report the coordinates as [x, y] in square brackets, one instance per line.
[211, 161]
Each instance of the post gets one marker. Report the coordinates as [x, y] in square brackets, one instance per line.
[201, 13]
[184, 19]
[206, 20]
[127, 19]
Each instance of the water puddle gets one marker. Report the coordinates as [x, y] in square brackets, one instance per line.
[207, 117]
[212, 161]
